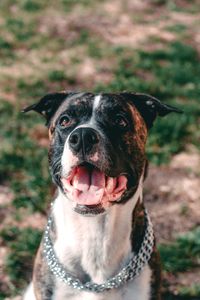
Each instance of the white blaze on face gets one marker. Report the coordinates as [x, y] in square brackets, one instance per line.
[96, 103]
[68, 160]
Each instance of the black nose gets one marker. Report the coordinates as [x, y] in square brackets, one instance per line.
[83, 139]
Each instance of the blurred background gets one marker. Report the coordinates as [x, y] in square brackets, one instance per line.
[145, 46]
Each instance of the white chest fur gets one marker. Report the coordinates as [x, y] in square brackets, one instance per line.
[97, 247]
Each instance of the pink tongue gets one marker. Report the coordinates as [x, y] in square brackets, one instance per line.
[81, 180]
[89, 186]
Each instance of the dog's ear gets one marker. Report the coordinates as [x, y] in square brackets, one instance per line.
[149, 107]
[48, 105]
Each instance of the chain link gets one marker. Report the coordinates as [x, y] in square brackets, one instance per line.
[129, 272]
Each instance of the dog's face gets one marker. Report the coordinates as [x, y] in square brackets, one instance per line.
[97, 149]
[97, 145]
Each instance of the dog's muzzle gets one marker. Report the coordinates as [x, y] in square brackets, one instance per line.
[88, 185]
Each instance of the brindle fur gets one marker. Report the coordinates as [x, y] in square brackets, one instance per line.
[43, 279]
[138, 225]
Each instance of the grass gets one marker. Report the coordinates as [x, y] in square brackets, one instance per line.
[51, 61]
[193, 290]
[182, 255]
[23, 244]
[32, 168]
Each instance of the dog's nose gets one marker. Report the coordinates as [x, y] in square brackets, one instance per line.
[83, 139]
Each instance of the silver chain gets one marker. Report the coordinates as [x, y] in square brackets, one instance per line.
[129, 272]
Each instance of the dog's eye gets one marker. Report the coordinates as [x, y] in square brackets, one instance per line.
[121, 121]
[64, 121]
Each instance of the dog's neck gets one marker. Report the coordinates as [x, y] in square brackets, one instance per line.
[94, 247]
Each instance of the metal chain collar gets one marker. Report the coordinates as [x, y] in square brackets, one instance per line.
[129, 272]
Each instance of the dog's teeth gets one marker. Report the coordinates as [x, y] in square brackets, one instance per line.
[111, 184]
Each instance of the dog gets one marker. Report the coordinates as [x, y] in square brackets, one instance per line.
[99, 242]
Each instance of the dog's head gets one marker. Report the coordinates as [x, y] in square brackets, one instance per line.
[97, 144]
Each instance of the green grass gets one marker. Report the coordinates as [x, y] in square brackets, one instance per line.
[193, 290]
[23, 244]
[177, 28]
[56, 75]
[182, 255]
[22, 158]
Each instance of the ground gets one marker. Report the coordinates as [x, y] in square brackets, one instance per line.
[146, 46]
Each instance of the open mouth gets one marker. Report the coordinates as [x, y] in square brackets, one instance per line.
[88, 185]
